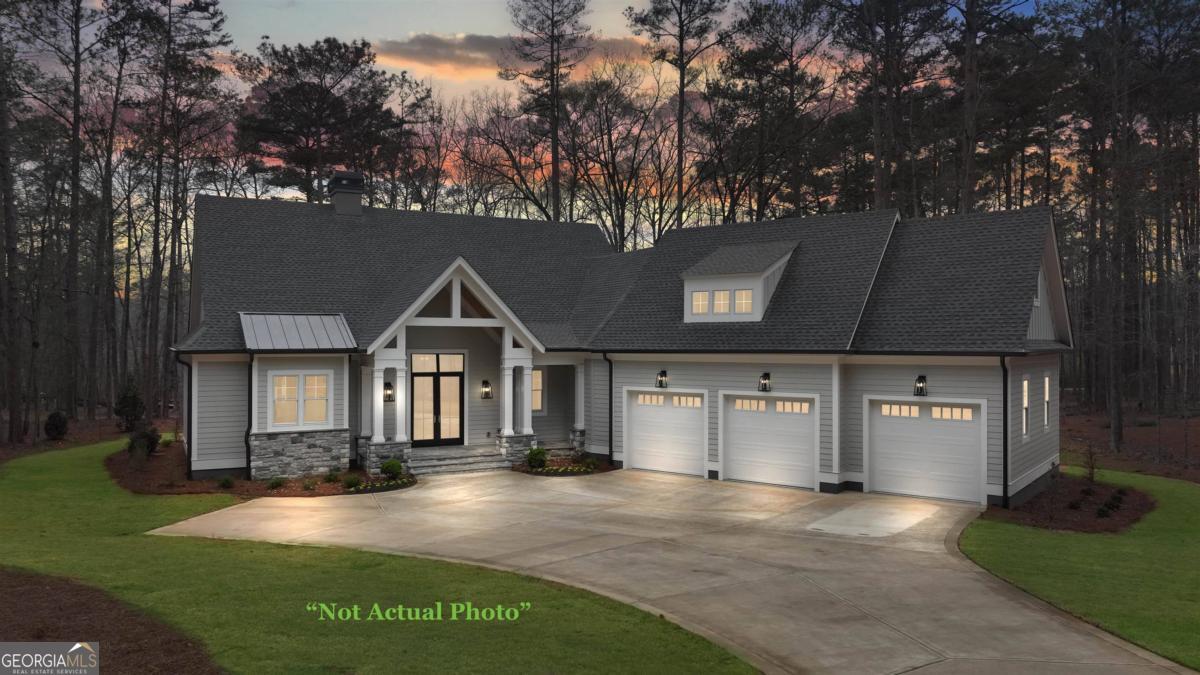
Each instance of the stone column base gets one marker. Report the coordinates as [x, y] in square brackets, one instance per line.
[578, 439]
[378, 453]
[514, 447]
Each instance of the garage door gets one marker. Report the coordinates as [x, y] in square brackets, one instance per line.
[667, 432]
[926, 449]
[769, 440]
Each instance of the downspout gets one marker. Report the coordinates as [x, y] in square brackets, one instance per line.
[610, 407]
[1004, 407]
[187, 436]
[249, 411]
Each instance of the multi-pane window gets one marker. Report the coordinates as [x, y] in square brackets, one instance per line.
[792, 407]
[686, 401]
[1025, 406]
[1046, 402]
[743, 302]
[538, 392]
[650, 399]
[720, 302]
[300, 399]
[901, 410]
[699, 302]
[941, 412]
[750, 404]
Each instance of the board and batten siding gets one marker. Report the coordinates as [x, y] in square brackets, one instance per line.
[558, 401]
[595, 415]
[952, 382]
[1031, 454]
[482, 363]
[1041, 320]
[219, 435]
[813, 378]
[266, 363]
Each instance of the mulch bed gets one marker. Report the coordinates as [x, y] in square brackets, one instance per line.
[565, 467]
[41, 608]
[1051, 509]
[165, 473]
[1159, 446]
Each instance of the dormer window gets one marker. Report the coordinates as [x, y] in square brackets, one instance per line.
[744, 302]
[699, 302]
[735, 282]
[720, 302]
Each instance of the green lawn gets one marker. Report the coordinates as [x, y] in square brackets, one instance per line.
[60, 514]
[1142, 584]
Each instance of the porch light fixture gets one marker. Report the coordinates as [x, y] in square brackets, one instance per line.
[919, 387]
[389, 393]
[660, 380]
[485, 390]
[764, 382]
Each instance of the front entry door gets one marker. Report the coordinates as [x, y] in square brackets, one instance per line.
[437, 399]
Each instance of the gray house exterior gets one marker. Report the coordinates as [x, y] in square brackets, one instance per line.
[838, 352]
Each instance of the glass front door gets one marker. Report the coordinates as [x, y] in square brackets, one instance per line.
[437, 399]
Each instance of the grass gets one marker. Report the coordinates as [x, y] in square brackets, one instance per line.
[1142, 584]
[60, 514]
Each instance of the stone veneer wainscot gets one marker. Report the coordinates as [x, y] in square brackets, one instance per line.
[290, 454]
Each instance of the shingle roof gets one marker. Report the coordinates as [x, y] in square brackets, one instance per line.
[296, 332]
[752, 258]
[957, 284]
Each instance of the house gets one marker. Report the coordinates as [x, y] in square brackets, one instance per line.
[839, 352]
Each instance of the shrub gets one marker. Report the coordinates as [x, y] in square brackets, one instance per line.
[351, 481]
[536, 458]
[1103, 512]
[392, 468]
[143, 442]
[56, 426]
[225, 483]
[1074, 506]
[331, 477]
[129, 408]
[309, 485]
[1087, 492]
[275, 483]
[590, 463]
[1112, 505]
[1122, 491]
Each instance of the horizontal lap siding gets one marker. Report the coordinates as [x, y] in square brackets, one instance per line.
[268, 363]
[962, 382]
[220, 434]
[1041, 444]
[595, 417]
[558, 398]
[713, 377]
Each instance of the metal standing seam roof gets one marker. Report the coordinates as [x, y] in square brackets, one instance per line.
[296, 332]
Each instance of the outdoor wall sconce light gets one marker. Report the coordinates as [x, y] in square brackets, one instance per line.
[919, 387]
[389, 393]
[660, 380]
[485, 390]
[764, 382]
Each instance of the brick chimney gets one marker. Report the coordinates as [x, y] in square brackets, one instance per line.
[345, 191]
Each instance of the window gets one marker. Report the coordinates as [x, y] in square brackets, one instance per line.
[750, 404]
[686, 401]
[437, 363]
[901, 410]
[538, 399]
[720, 302]
[300, 399]
[952, 413]
[743, 302]
[792, 407]
[1025, 406]
[1046, 402]
[650, 399]
[699, 302]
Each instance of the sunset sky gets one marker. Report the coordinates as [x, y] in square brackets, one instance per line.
[456, 42]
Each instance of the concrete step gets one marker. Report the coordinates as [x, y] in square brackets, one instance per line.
[454, 452]
[466, 467]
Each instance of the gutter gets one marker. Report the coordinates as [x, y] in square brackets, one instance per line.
[611, 384]
[187, 436]
[1004, 407]
[249, 410]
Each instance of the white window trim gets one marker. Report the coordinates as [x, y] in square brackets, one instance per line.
[1047, 382]
[300, 425]
[1025, 407]
[538, 412]
[733, 295]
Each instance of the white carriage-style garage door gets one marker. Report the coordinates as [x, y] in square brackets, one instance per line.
[667, 432]
[927, 449]
[770, 440]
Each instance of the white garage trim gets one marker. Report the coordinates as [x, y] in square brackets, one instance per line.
[626, 451]
[983, 425]
[722, 394]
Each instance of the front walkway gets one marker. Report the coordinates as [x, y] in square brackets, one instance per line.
[789, 579]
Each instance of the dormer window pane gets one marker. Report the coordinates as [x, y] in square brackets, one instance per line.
[720, 302]
[744, 302]
[699, 302]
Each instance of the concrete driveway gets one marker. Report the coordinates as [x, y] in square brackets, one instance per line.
[791, 580]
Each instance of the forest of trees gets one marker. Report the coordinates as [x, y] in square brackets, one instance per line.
[115, 115]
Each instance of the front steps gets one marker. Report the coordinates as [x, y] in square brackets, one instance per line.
[457, 459]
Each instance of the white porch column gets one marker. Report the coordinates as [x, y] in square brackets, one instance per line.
[377, 405]
[401, 403]
[506, 399]
[527, 398]
[579, 396]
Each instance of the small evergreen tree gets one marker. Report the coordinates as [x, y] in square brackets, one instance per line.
[56, 426]
[130, 408]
